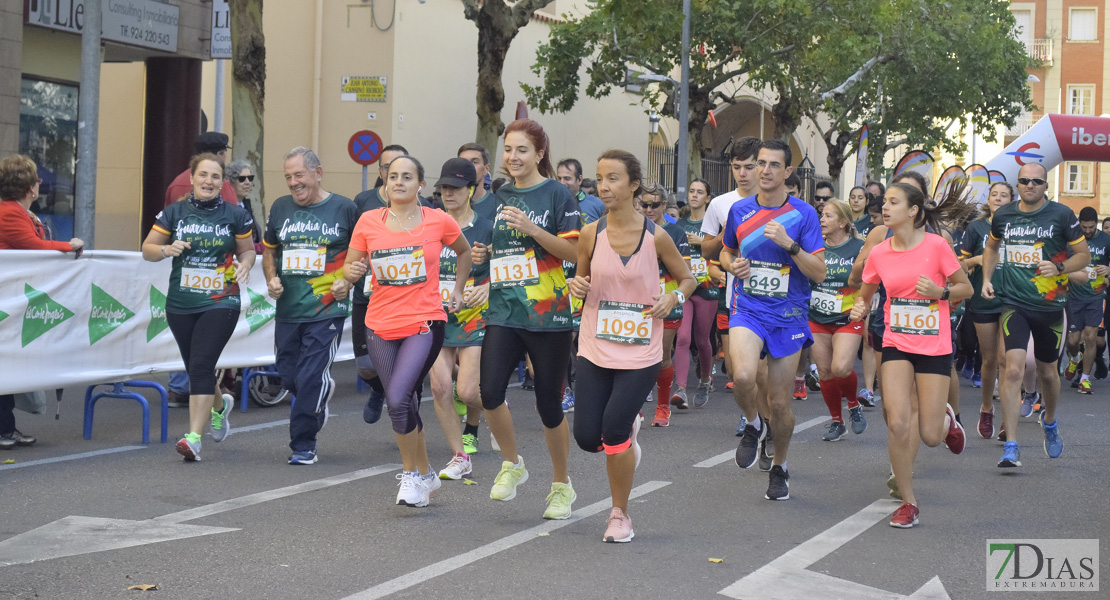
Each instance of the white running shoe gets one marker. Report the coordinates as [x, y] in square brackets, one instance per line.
[458, 468]
[413, 492]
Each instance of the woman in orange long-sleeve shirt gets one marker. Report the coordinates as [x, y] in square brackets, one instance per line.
[21, 230]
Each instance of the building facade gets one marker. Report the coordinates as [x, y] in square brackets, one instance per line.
[405, 69]
[1068, 37]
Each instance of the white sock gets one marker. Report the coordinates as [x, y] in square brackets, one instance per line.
[1084, 378]
[757, 423]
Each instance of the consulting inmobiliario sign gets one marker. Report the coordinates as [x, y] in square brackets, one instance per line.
[145, 23]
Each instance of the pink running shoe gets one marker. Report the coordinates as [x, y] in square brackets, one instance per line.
[619, 527]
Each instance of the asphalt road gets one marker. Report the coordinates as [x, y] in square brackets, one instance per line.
[244, 524]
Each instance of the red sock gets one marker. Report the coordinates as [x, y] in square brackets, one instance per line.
[830, 391]
[663, 381]
[848, 386]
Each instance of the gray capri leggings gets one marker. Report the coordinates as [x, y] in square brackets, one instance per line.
[402, 366]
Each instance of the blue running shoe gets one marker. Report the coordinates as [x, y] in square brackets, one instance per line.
[741, 426]
[568, 400]
[1053, 445]
[1011, 456]
[303, 457]
[373, 409]
[977, 380]
[1027, 401]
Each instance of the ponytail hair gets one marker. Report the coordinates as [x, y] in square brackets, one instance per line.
[952, 209]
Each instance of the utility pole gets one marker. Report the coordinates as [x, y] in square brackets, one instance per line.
[684, 107]
[84, 216]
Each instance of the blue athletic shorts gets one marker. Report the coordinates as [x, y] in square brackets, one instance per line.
[778, 342]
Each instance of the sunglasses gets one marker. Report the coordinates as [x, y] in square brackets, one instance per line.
[822, 198]
[243, 178]
[1031, 181]
[651, 205]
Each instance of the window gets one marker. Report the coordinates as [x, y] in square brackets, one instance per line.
[1078, 178]
[1081, 100]
[48, 135]
[1083, 25]
[1023, 26]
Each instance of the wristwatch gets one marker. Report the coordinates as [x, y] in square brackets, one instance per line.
[944, 295]
[794, 249]
[681, 297]
[1059, 267]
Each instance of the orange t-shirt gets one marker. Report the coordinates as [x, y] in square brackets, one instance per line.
[405, 267]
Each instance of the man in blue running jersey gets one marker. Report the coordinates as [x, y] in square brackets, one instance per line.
[773, 247]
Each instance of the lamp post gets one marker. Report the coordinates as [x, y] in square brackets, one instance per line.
[684, 104]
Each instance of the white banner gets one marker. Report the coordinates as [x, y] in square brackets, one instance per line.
[101, 318]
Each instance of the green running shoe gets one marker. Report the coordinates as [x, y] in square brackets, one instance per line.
[510, 476]
[470, 443]
[220, 425]
[559, 500]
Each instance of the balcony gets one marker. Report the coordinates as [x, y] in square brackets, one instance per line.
[1021, 125]
[1040, 49]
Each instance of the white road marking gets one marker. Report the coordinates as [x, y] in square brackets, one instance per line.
[266, 496]
[727, 456]
[68, 457]
[787, 576]
[457, 562]
[76, 535]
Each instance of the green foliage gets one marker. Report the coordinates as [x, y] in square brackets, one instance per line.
[934, 62]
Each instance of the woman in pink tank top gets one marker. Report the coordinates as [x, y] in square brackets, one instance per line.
[621, 339]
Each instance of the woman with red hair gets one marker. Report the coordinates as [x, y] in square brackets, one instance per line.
[535, 230]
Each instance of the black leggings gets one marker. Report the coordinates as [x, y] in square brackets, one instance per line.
[606, 402]
[504, 347]
[200, 352]
[402, 366]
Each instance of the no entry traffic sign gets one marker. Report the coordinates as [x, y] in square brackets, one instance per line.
[365, 147]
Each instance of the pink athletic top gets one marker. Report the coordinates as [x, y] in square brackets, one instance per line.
[914, 324]
[614, 333]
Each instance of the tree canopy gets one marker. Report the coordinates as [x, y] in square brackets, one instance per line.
[907, 68]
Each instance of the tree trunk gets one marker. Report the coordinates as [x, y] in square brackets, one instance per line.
[493, 46]
[787, 115]
[248, 87]
[836, 142]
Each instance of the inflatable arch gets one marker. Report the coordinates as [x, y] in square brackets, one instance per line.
[1055, 139]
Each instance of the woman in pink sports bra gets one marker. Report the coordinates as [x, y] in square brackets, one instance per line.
[621, 339]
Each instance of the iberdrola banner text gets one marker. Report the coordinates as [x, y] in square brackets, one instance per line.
[102, 318]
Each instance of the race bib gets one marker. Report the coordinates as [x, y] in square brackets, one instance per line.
[915, 316]
[201, 280]
[769, 280]
[1024, 255]
[624, 323]
[303, 259]
[446, 286]
[827, 304]
[515, 267]
[399, 266]
[700, 268]
[367, 285]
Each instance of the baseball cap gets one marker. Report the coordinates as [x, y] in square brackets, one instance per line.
[458, 173]
[210, 141]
